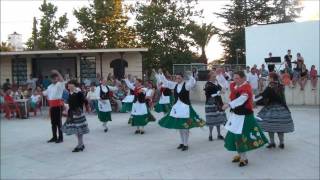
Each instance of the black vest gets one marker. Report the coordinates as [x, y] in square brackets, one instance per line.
[167, 92]
[104, 95]
[183, 95]
[211, 88]
[141, 98]
[241, 110]
[131, 92]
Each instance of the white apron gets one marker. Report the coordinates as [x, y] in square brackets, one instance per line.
[128, 99]
[235, 123]
[104, 105]
[180, 110]
[139, 109]
[164, 99]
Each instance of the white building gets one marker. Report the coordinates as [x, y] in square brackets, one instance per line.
[15, 40]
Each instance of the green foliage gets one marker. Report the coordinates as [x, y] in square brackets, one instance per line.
[5, 47]
[104, 25]
[162, 27]
[70, 42]
[50, 28]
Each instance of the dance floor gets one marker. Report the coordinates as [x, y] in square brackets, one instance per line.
[120, 154]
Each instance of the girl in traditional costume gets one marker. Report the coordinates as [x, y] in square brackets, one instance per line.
[76, 122]
[244, 134]
[128, 100]
[275, 115]
[215, 116]
[103, 94]
[182, 116]
[140, 114]
[166, 99]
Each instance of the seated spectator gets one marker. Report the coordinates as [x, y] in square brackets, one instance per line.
[295, 77]
[119, 95]
[92, 99]
[6, 85]
[303, 77]
[10, 104]
[313, 77]
[35, 101]
[285, 78]
[46, 82]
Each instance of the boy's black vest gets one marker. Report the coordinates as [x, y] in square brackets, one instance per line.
[104, 95]
[183, 95]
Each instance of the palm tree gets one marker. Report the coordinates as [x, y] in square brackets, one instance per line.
[201, 36]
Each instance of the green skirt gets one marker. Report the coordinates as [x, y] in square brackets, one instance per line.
[104, 116]
[182, 123]
[141, 120]
[164, 107]
[251, 138]
[126, 107]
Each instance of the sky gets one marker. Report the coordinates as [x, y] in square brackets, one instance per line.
[17, 16]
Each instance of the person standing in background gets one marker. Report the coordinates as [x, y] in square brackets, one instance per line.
[45, 82]
[271, 66]
[253, 81]
[288, 58]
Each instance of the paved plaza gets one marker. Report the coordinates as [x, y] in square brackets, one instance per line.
[119, 154]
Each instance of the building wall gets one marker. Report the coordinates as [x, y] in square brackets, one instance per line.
[293, 96]
[5, 69]
[134, 60]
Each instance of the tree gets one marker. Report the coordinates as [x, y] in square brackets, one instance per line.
[50, 28]
[70, 42]
[202, 35]
[5, 47]
[104, 25]
[162, 27]
[242, 13]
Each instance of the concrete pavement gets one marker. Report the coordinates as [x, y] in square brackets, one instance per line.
[119, 154]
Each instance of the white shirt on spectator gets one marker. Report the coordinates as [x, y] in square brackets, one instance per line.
[55, 91]
[253, 80]
[87, 82]
[92, 95]
[222, 81]
[35, 98]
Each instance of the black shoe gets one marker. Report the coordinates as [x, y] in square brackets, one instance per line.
[243, 163]
[137, 131]
[210, 138]
[141, 132]
[59, 140]
[54, 139]
[271, 145]
[78, 149]
[180, 146]
[184, 148]
[220, 137]
[281, 146]
[106, 130]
